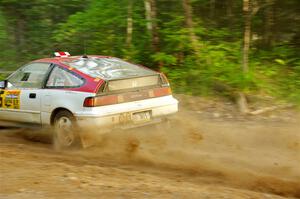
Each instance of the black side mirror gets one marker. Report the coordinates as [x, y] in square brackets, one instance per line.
[3, 84]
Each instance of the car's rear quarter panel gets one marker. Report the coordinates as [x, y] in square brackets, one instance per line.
[57, 98]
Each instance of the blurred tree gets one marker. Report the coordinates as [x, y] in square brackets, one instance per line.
[129, 24]
[32, 22]
[152, 26]
[188, 11]
[247, 34]
[269, 24]
[200, 44]
[247, 8]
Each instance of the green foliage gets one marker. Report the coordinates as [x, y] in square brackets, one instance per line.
[164, 58]
[36, 28]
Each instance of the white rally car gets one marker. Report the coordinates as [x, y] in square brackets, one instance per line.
[69, 92]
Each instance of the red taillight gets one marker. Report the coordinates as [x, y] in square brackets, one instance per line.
[89, 102]
[106, 100]
[100, 101]
[158, 92]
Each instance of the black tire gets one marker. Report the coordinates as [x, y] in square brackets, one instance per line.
[65, 135]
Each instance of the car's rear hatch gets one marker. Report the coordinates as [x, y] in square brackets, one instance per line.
[123, 81]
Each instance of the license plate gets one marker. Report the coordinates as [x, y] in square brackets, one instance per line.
[141, 117]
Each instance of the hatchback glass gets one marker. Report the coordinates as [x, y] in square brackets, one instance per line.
[109, 68]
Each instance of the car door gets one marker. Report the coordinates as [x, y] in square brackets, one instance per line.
[21, 100]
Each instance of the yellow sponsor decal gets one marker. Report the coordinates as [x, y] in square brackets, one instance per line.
[10, 99]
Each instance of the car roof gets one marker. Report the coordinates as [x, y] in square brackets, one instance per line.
[92, 83]
[60, 60]
[66, 63]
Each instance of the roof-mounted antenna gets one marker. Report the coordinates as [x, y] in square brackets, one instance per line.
[84, 48]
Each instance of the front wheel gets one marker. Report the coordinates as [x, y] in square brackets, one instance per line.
[65, 135]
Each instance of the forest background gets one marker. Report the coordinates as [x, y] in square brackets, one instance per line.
[230, 48]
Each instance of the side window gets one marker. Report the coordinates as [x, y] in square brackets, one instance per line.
[60, 78]
[30, 76]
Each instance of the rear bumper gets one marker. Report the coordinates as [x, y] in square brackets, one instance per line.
[120, 115]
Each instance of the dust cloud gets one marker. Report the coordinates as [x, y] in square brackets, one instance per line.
[256, 155]
[250, 155]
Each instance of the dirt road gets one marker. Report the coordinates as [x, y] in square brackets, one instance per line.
[195, 158]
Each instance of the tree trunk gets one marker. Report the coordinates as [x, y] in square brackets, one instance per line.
[229, 13]
[155, 35]
[148, 15]
[229, 8]
[269, 23]
[129, 25]
[242, 101]
[152, 26]
[188, 11]
[247, 35]
[212, 7]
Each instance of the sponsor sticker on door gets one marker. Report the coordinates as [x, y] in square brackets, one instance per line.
[10, 99]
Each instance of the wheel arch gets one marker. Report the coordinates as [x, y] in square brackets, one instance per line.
[54, 113]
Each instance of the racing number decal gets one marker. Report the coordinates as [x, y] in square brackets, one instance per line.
[10, 99]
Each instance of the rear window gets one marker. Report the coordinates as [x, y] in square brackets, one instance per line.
[109, 68]
[60, 78]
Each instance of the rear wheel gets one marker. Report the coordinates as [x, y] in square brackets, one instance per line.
[65, 134]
